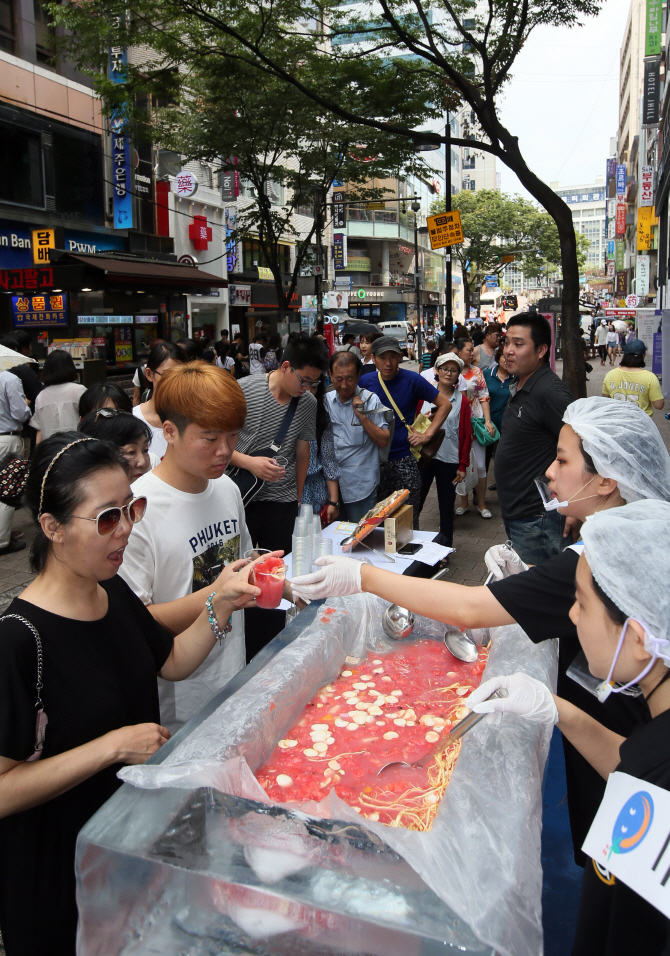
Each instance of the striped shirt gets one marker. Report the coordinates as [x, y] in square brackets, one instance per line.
[263, 421]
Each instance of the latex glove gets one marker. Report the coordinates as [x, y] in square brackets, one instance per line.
[336, 577]
[527, 698]
[502, 561]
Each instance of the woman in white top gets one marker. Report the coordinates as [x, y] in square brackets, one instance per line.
[612, 343]
[57, 405]
[163, 355]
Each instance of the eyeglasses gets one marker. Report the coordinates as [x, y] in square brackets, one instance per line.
[109, 520]
[448, 371]
[305, 382]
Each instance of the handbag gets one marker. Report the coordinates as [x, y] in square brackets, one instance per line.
[481, 433]
[420, 424]
[13, 477]
[41, 719]
[245, 480]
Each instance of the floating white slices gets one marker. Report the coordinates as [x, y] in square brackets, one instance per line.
[284, 780]
[390, 735]
[321, 747]
[391, 699]
[400, 721]
[377, 662]
[319, 726]
[462, 691]
[359, 686]
[378, 670]
[341, 723]
[375, 711]
[387, 679]
[310, 753]
[287, 744]
[366, 677]
[319, 735]
[349, 693]
[334, 765]
[346, 674]
[352, 726]
[432, 737]
[397, 693]
[358, 718]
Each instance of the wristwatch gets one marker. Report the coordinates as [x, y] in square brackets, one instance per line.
[333, 503]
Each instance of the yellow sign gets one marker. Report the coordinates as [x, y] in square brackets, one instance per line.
[265, 273]
[646, 218]
[507, 258]
[445, 229]
[43, 240]
[375, 205]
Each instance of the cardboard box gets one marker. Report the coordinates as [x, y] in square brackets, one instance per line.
[399, 528]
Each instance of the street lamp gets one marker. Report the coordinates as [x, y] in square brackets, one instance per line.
[416, 206]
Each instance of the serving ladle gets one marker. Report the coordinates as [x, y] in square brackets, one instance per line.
[456, 732]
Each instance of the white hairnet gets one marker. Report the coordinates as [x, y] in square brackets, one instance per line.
[628, 551]
[624, 444]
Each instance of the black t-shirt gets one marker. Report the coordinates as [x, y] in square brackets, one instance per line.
[613, 920]
[540, 600]
[531, 424]
[98, 676]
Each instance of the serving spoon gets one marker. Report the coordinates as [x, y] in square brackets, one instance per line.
[456, 732]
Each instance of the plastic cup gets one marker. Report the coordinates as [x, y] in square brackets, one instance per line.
[300, 528]
[271, 583]
[305, 510]
[256, 553]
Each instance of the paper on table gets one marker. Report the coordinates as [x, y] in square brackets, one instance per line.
[430, 553]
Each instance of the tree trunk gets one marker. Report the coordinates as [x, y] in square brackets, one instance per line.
[574, 371]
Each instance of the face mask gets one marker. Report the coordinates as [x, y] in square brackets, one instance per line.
[552, 504]
[607, 687]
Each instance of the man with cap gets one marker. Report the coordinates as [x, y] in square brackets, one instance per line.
[631, 382]
[601, 340]
[402, 390]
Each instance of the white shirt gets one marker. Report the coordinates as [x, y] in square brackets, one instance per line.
[255, 360]
[158, 443]
[181, 545]
[57, 408]
[601, 335]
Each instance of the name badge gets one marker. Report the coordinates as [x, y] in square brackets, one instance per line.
[630, 838]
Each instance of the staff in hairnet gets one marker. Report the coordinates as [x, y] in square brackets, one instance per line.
[622, 616]
[609, 453]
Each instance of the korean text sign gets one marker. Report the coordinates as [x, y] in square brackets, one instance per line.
[445, 229]
[32, 311]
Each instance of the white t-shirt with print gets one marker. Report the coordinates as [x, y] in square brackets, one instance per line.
[180, 546]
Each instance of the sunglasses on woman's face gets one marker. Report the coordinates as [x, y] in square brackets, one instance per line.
[109, 520]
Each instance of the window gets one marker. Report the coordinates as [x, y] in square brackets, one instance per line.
[44, 33]
[253, 257]
[247, 189]
[21, 173]
[305, 208]
[77, 174]
[206, 174]
[275, 192]
[6, 26]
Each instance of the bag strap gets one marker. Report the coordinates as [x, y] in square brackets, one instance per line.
[36, 634]
[285, 425]
[388, 395]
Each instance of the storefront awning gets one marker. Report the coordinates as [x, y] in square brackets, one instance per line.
[102, 271]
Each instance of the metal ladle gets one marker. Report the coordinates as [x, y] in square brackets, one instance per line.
[454, 734]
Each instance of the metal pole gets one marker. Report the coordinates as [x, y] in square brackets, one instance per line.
[415, 208]
[318, 196]
[448, 312]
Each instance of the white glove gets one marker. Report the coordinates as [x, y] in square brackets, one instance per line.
[336, 577]
[527, 698]
[502, 561]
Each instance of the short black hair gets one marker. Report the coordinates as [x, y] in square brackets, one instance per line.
[96, 396]
[121, 429]
[630, 360]
[540, 330]
[350, 358]
[58, 368]
[306, 351]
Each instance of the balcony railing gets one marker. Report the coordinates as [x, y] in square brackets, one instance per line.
[396, 279]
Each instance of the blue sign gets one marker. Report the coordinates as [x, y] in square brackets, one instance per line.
[620, 179]
[39, 311]
[657, 354]
[339, 251]
[585, 197]
[610, 248]
[122, 170]
[89, 243]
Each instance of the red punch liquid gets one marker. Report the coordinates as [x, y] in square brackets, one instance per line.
[269, 576]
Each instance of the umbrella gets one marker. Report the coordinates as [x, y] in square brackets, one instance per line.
[360, 328]
[620, 325]
[10, 359]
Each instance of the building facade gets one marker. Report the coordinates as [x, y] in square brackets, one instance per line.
[589, 213]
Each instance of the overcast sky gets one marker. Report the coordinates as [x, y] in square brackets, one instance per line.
[562, 102]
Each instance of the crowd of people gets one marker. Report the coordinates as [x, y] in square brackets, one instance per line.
[149, 514]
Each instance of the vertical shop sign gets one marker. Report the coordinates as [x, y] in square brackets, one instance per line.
[43, 241]
[651, 91]
[647, 186]
[621, 283]
[230, 185]
[231, 245]
[653, 26]
[621, 179]
[339, 221]
[340, 251]
[644, 222]
[619, 252]
[122, 170]
[642, 275]
[620, 220]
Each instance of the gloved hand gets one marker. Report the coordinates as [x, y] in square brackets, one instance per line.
[527, 698]
[336, 577]
[501, 560]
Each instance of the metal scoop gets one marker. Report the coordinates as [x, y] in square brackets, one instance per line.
[454, 734]
[398, 622]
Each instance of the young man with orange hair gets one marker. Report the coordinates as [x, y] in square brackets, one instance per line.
[193, 533]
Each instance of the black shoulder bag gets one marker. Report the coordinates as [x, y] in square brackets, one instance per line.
[40, 716]
[245, 480]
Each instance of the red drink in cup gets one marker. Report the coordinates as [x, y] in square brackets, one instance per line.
[269, 576]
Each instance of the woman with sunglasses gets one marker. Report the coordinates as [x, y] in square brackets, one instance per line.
[163, 355]
[130, 435]
[92, 685]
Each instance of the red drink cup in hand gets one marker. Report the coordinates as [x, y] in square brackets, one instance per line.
[269, 576]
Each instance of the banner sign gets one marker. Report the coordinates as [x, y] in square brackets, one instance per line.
[644, 220]
[630, 838]
[611, 229]
[647, 186]
[611, 269]
[642, 275]
[621, 287]
[230, 184]
[339, 221]
[657, 354]
[611, 208]
[651, 92]
[653, 26]
[596, 196]
[611, 168]
[15, 279]
[621, 220]
[122, 169]
[340, 250]
[32, 311]
[445, 229]
[619, 251]
[621, 179]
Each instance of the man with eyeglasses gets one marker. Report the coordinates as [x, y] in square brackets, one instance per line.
[271, 514]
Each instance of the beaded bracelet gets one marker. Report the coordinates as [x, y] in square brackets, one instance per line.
[218, 632]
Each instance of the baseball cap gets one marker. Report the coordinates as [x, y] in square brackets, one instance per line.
[387, 343]
[634, 347]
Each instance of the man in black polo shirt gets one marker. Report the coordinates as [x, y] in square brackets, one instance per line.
[529, 434]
